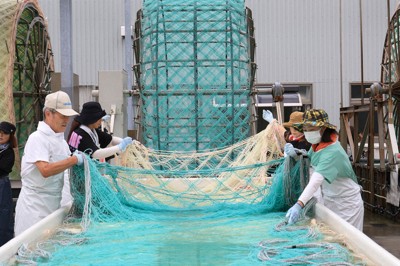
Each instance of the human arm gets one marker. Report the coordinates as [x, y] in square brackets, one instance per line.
[315, 182]
[47, 169]
[115, 140]
[106, 152]
[118, 140]
[119, 146]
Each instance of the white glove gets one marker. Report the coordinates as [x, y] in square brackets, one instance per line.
[267, 116]
[106, 118]
[124, 143]
[289, 150]
[79, 156]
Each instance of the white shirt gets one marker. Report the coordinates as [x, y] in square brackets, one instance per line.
[40, 196]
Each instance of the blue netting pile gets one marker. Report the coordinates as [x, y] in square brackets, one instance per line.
[187, 216]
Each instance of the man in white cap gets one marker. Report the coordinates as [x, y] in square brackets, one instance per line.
[45, 163]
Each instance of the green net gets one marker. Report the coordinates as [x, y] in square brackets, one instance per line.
[194, 74]
[159, 180]
[188, 214]
[220, 207]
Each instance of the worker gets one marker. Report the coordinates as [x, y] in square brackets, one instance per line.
[332, 172]
[7, 157]
[85, 134]
[45, 163]
[296, 137]
[294, 129]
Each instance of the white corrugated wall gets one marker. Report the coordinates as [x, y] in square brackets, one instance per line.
[298, 41]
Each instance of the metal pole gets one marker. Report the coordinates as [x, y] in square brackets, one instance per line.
[67, 79]
[128, 62]
[362, 56]
[341, 53]
[67, 75]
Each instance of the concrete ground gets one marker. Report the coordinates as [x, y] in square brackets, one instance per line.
[384, 231]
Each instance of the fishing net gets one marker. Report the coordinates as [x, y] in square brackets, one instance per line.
[160, 180]
[25, 64]
[221, 207]
[195, 72]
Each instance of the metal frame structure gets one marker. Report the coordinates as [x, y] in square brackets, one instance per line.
[379, 172]
[139, 69]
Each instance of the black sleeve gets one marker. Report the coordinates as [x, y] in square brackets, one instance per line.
[104, 138]
[7, 158]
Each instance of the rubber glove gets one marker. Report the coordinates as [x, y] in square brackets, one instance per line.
[124, 143]
[267, 116]
[293, 214]
[301, 152]
[289, 150]
[79, 156]
[106, 118]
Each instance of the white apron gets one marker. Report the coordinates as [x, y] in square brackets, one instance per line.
[40, 196]
[343, 197]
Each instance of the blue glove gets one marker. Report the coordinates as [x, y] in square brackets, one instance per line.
[301, 152]
[106, 118]
[79, 156]
[267, 116]
[124, 143]
[293, 214]
[289, 150]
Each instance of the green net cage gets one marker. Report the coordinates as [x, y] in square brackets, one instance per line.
[195, 70]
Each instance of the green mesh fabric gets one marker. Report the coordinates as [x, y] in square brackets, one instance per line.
[195, 74]
[120, 228]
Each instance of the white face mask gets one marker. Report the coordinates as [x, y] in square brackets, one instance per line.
[314, 137]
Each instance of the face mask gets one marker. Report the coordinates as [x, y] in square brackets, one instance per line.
[314, 137]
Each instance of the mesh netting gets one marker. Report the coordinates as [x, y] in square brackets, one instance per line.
[25, 66]
[8, 10]
[195, 74]
[215, 208]
[170, 181]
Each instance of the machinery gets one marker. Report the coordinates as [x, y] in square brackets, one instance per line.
[378, 139]
[26, 64]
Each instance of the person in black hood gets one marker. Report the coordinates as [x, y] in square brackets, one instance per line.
[7, 157]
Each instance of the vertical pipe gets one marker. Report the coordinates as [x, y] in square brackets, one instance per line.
[390, 103]
[67, 76]
[67, 81]
[128, 62]
[341, 53]
[362, 55]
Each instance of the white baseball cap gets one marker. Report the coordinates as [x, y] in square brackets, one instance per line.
[60, 102]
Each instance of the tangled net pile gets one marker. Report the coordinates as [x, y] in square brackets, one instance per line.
[218, 207]
[156, 180]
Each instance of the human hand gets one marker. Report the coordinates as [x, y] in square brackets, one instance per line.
[124, 143]
[300, 152]
[79, 156]
[289, 150]
[293, 214]
[106, 118]
[267, 116]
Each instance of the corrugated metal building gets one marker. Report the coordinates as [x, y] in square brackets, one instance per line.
[313, 43]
